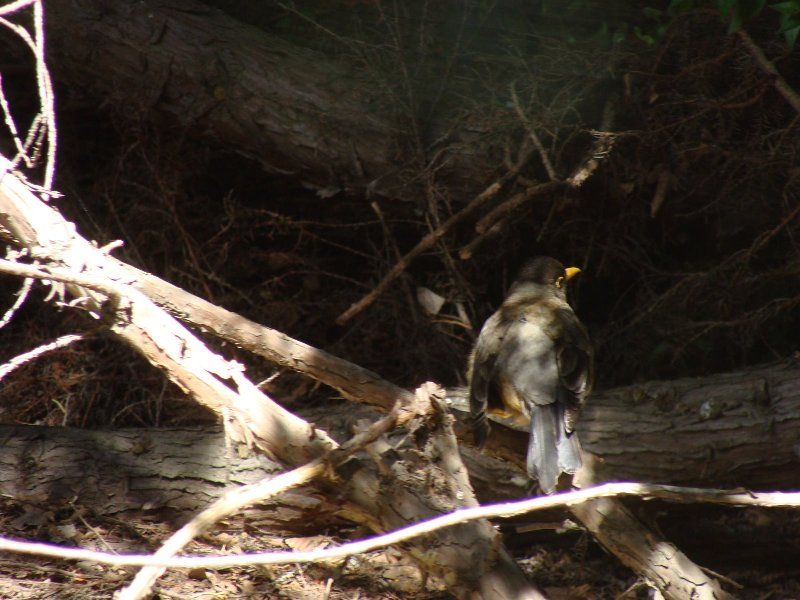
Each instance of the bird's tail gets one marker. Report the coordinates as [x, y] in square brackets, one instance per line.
[551, 451]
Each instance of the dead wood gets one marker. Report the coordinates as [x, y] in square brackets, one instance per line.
[778, 81]
[658, 561]
[726, 430]
[329, 369]
[254, 420]
[131, 471]
[295, 110]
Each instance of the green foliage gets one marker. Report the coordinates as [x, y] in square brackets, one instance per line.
[738, 12]
[649, 24]
[678, 7]
[790, 19]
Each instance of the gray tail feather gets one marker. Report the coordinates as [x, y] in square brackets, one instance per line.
[550, 450]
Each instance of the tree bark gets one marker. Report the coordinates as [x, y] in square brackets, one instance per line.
[297, 111]
[723, 430]
[44, 462]
[254, 420]
[727, 430]
[125, 470]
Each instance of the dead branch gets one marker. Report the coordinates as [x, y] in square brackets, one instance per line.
[516, 201]
[658, 561]
[245, 496]
[424, 244]
[548, 166]
[434, 236]
[255, 420]
[778, 81]
[678, 494]
[18, 361]
[644, 550]
[493, 223]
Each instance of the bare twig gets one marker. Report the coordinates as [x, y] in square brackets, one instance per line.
[430, 240]
[18, 361]
[505, 510]
[660, 194]
[494, 222]
[467, 251]
[22, 295]
[43, 128]
[548, 166]
[46, 96]
[424, 244]
[783, 88]
[11, 7]
[517, 200]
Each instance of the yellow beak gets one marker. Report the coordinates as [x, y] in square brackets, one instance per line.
[570, 272]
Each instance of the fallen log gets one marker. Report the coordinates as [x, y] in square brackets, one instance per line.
[297, 111]
[254, 421]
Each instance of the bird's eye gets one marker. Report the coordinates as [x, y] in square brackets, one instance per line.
[559, 281]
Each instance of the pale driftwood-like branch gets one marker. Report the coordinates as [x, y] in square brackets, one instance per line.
[22, 295]
[504, 510]
[18, 361]
[245, 496]
[187, 361]
[230, 503]
[255, 420]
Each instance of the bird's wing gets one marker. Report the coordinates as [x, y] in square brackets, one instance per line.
[575, 359]
[482, 368]
[574, 355]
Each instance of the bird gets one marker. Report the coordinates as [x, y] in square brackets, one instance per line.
[533, 363]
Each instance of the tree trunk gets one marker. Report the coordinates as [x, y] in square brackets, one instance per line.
[296, 111]
[50, 464]
[727, 430]
[723, 430]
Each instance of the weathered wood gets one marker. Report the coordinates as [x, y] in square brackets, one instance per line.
[251, 418]
[297, 111]
[658, 561]
[125, 470]
[723, 430]
[727, 430]
[606, 429]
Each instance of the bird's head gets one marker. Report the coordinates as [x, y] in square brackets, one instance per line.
[545, 273]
